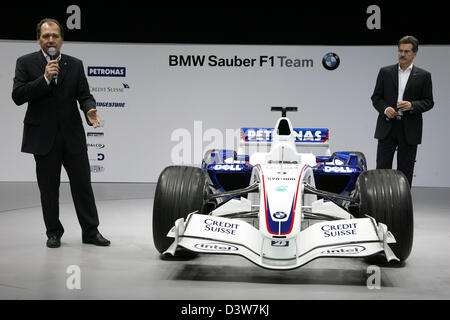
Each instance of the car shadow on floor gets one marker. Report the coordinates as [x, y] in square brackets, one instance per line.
[254, 274]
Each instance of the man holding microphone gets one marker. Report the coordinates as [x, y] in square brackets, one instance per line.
[51, 84]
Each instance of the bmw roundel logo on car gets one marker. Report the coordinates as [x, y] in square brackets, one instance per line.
[331, 61]
[279, 215]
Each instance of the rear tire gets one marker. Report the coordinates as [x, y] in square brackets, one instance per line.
[385, 195]
[180, 190]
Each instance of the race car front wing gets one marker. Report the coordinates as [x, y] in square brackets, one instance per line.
[349, 238]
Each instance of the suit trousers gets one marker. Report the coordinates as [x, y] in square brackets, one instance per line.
[406, 153]
[48, 171]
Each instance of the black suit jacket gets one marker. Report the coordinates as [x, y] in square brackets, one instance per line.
[418, 91]
[50, 107]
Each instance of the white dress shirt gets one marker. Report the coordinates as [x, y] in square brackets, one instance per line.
[403, 77]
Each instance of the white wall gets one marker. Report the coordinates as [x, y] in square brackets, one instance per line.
[162, 100]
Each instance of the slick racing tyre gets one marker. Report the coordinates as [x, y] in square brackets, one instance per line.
[385, 195]
[180, 190]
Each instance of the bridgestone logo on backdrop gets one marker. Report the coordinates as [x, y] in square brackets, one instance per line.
[107, 71]
[110, 104]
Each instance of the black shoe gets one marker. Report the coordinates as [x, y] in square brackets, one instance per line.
[54, 242]
[97, 240]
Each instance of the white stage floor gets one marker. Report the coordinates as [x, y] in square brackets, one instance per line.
[132, 269]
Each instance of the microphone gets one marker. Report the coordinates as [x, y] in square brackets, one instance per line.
[52, 53]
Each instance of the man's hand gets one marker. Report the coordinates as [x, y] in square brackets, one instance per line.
[390, 112]
[404, 105]
[51, 69]
[93, 118]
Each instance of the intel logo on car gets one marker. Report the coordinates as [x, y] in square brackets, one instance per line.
[215, 247]
[345, 250]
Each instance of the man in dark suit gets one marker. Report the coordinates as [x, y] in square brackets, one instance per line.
[52, 83]
[402, 93]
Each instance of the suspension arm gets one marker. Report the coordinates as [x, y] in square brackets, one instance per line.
[329, 195]
[234, 193]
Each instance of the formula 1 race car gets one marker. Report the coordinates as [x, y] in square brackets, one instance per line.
[280, 208]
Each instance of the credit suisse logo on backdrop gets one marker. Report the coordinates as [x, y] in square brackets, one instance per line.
[95, 71]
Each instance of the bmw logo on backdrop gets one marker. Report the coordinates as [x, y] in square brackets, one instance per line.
[331, 61]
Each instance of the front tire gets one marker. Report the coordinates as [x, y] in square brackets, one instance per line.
[385, 195]
[180, 190]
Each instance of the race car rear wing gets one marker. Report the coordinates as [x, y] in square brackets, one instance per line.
[305, 137]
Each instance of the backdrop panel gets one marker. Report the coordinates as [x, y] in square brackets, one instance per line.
[164, 104]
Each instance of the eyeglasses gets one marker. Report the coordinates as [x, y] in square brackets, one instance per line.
[404, 51]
